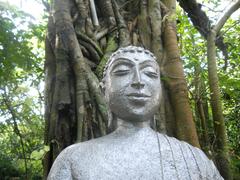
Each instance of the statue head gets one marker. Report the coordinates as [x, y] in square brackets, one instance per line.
[131, 84]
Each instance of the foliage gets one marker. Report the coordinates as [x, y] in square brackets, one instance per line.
[230, 84]
[21, 75]
[193, 52]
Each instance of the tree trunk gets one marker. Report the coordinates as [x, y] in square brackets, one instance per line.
[80, 39]
[222, 157]
[199, 96]
[175, 80]
[221, 150]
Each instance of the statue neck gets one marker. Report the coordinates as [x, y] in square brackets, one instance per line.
[131, 127]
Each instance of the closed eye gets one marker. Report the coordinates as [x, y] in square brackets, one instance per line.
[150, 71]
[151, 74]
[121, 72]
[121, 69]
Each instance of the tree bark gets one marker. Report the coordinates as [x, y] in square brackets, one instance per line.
[199, 95]
[222, 157]
[176, 82]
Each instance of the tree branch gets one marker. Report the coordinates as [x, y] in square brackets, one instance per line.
[201, 22]
[230, 27]
[16, 128]
[225, 17]
[94, 13]
[47, 5]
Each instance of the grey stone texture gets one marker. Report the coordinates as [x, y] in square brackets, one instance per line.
[133, 154]
[133, 150]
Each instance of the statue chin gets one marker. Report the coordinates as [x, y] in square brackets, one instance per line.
[135, 115]
[133, 109]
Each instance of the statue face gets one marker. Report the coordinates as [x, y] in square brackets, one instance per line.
[133, 86]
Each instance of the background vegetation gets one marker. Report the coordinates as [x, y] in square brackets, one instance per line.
[22, 76]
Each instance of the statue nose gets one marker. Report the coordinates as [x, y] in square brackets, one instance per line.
[137, 85]
[137, 82]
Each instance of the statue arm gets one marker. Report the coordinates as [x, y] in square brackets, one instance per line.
[61, 168]
[216, 174]
[206, 165]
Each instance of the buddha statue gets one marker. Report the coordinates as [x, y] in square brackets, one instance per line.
[133, 150]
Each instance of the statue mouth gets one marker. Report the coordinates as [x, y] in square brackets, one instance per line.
[138, 95]
[138, 98]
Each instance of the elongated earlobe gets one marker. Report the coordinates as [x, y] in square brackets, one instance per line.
[102, 87]
[112, 122]
[153, 123]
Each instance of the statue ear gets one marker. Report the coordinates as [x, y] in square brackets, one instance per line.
[112, 122]
[153, 124]
[102, 87]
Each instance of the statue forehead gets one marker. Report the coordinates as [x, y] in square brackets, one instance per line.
[132, 55]
[129, 52]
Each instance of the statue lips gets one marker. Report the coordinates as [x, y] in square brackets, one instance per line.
[141, 98]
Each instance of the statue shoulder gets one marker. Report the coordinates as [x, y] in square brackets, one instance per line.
[195, 160]
[204, 164]
[184, 147]
[61, 168]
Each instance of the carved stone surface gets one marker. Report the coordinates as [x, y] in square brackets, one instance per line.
[133, 150]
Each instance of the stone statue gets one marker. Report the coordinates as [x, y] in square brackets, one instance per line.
[133, 150]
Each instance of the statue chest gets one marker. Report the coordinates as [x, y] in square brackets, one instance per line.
[139, 158]
[126, 158]
[119, 160]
